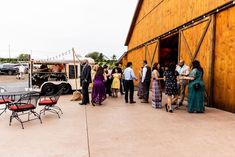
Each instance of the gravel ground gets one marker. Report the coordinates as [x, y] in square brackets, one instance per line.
[11, 83]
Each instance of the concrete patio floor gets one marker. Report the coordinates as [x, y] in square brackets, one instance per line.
[117, 129]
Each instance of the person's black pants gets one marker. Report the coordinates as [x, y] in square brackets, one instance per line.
[146, 85]
[129, 86]
[124, 85]
[85, 93]
[121, 89]
[108, 84]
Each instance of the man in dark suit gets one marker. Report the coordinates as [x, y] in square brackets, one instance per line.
[86, 80]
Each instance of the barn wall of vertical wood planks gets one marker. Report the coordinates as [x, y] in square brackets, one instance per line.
[224, 63]
[211, 40]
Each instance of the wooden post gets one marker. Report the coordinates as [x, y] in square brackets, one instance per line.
[75, 69]
[211, 62]
[30, 71]
[179, 45]
[158, 51]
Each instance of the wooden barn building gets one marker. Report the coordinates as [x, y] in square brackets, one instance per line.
[169, 30]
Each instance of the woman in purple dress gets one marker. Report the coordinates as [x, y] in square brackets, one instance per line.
[98, 94]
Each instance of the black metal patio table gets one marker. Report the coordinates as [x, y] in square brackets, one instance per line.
[14, 95]
[21, 103]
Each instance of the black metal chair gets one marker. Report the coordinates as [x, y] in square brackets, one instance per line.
[49, 103]
[24, 105]
[4, 100]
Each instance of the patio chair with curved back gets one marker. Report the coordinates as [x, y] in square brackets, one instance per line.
[25, 105]
[49, 103]
[4, 100]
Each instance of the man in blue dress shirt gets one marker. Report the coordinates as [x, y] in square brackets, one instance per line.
[129, 76]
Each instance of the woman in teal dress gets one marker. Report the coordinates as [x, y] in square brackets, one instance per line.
[196, 89]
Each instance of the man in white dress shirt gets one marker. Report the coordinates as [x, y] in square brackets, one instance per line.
[129, 76]
[146, 79]
[21, 71]
[183, 70]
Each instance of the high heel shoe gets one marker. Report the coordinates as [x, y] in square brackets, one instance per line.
[166, 107]
[92, 103]
[171, 111]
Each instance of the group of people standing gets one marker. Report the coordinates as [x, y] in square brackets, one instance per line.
[176, 77]
[104, 82]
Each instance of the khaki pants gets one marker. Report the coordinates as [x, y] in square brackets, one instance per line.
[182, 85]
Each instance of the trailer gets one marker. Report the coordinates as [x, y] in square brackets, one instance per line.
[48, 77]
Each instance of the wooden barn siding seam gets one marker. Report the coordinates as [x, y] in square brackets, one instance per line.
[149, 12]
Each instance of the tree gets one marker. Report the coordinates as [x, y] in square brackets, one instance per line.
[93, 55]
[114, 57]
[23, 57]
[101, 57]
[98, 57]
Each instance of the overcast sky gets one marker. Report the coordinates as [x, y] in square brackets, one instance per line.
[50, 27]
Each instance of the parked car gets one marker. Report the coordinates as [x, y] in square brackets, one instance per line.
[26, 67]
[8, 68]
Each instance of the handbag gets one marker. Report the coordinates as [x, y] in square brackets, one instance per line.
[197, 86]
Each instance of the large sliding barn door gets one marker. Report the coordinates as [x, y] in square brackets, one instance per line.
[152, 53]
[196, 43]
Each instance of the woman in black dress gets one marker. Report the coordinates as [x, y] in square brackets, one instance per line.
[170, 77]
